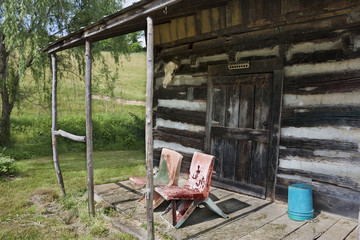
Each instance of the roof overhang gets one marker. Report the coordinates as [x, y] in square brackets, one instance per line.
[131, 19]
[127, 20]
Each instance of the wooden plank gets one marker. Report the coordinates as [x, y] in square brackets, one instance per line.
[245, 79]
[173, 30]
[324, 157]
[215, 19]
[339, 230]
[323, 83]
[289, 6]
[184, 141]
[327, 200]
[276, 110]
[54, 125]
[149, 129]
[218, 111]
[319, 144]
[274, 12]
[178, 115]
[276, 229]
[260, 151]
[190, 26]
[312, 230]
[246, 118]
[222, 17]
[240, 134]
[259, 163]
[165, 33]
[217, 150]
[236, 13]
[321, 56]
[181, 27]
[209, 114]
[239, 187]
[256, 10]
[354, 234]
[232, 105]
[345, 182]
[248, 220]
[89, 141]
[157, 40]
[229, 159]
[180, 92]
[244, 160]
[70, 136]
[205, 21]
[184, 133]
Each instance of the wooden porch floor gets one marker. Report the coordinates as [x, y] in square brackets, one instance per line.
[250, 218]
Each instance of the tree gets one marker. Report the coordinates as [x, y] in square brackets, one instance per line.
[28, 25]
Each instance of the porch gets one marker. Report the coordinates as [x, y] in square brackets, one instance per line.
[249, 218]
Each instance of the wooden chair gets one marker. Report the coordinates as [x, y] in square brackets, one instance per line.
[168, 174]
[194, 193]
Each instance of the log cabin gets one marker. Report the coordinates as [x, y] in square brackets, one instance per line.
[271, 88]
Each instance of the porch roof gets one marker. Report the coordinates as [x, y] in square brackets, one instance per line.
[130, 19]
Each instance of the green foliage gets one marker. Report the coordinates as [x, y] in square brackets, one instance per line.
[6, 165]
[136, 47]
[28, 25]
[110, 132]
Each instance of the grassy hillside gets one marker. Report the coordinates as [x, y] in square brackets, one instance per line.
[129, 83]
[116, 126]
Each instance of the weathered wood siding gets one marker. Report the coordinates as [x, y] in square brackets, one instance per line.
[319, 42]
[320, 132]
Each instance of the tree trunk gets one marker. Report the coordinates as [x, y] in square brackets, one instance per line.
[7, 98]
[7, 106]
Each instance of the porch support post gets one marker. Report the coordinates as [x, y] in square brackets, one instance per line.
[54, 125]
[149, 129]
[89, 143]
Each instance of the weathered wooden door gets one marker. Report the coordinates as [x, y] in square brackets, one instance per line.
[241, 122]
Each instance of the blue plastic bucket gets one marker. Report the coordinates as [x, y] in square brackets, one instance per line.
[300, 202]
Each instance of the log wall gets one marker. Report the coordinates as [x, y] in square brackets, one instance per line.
[319, 42]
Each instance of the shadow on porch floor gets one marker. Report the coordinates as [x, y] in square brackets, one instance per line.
[250, 218]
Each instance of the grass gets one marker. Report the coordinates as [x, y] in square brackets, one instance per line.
[129, 84]
[30, 206]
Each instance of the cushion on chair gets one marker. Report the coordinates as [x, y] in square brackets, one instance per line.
[177, 193]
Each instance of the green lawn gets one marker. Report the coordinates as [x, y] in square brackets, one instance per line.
[31, 208]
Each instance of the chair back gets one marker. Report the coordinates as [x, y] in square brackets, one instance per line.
[201, 169]
[169, 168]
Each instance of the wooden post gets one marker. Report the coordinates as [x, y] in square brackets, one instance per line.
[149, 129]
[358, 229]
[89, 144]
[54, 125]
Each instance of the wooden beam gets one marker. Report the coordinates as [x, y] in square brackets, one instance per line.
[209, 106]
[70, 136]
[54, 125]
[149, 128]
[276, 111]
[89, 143]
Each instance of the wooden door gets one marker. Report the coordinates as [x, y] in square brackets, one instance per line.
[241, 122]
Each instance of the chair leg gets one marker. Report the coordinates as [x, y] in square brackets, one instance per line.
[213, 207]
[177, 215]
[157, 200]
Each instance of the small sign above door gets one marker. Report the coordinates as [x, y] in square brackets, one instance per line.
[239, 65]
